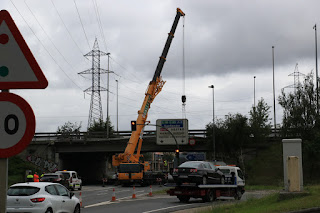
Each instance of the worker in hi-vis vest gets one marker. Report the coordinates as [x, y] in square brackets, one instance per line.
[36, 177]
[30, 177]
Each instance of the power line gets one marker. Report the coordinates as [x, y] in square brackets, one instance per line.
[48, 36]
[81, 23]
[66, 27]
[44, 46]
[96, 9]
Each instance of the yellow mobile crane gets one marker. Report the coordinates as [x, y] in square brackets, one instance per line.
[131, 166]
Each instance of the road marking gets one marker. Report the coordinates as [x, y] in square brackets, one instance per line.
[106, 192]
[171, 207]
[118, 200]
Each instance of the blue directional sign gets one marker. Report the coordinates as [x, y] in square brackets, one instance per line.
[196, 156]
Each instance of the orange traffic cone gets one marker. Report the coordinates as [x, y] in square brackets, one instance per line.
[150, 193]
[80, 199]
[134, 192]
[113, 195]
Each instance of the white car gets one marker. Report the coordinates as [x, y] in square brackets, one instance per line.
[41, 197]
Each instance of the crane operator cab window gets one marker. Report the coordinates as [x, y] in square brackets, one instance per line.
[130, 168]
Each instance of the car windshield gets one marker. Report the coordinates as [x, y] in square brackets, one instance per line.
[190, 164]
[225, 171]
[66, 175]
[50, 176]
[22, 190]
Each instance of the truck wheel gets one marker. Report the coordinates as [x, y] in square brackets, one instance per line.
[183, 198]
[80, 187]
[237, 195]
[209, 197]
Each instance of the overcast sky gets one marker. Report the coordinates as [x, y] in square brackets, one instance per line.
[226, 43]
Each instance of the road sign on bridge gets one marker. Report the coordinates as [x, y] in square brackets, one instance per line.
[172, 131]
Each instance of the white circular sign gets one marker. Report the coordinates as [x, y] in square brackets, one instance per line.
[17, 124]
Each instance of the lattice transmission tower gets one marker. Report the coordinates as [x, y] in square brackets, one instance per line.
[95, 113]
[296, 74]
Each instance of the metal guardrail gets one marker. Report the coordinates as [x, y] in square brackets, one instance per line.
[53, 136]
[96, 136]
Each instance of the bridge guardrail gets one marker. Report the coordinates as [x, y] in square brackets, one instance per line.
[53, 136]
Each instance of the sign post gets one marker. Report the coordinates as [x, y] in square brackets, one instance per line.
[18, 70]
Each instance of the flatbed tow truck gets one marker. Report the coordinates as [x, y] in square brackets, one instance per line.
[233, 188]
[208, 193]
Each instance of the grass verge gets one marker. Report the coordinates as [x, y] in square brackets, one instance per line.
[272, 203]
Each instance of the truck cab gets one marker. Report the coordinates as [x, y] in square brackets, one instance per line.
[74, 181]
[234, 176]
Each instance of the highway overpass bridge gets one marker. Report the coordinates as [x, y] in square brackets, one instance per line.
[90, 154]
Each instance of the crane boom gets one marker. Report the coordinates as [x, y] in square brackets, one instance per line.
[153, 90]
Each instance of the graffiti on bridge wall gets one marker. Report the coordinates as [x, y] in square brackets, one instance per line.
[43, 163]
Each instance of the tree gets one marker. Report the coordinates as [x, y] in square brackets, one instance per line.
[101, 126]
[299, 109]
[231, 135]
[259, 122]
[68, 129]
[300, 119]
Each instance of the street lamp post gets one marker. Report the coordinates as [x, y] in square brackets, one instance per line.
[317, 82]
[254, 92]
[108, 54]
[117, 109]
[274, 96]
[213, 125]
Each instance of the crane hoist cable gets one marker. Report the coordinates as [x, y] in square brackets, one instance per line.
[183, 97]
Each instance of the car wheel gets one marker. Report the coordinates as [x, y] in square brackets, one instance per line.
[183, 198]
[222, 180]
[77, 209]
[49, 210]
[204, 180]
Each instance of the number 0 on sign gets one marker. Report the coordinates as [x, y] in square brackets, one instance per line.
[17, 124]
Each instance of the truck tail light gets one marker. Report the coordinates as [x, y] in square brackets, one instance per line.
[38, 200]
[71, 180]
[193, 170]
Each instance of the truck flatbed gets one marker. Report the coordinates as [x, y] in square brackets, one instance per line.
[208, 193]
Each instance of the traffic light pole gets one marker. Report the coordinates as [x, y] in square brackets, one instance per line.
[177, 150]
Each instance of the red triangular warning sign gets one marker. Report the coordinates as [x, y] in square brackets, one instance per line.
[18, 67]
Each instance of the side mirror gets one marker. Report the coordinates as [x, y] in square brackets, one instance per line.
[71, 195]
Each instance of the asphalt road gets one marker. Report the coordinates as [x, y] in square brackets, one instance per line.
[98, 199]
